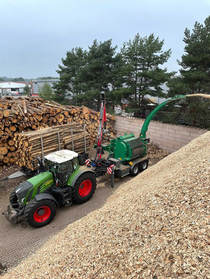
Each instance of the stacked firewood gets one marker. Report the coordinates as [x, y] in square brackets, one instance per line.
[33, 144]
[25, 114]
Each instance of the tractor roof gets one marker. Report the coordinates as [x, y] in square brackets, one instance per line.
[61, 156]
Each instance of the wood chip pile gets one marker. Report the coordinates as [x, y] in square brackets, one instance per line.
[33, 144]
[154, 226]
[25, 114]
[155, 153]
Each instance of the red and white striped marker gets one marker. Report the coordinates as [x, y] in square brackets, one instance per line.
[87, 162]
[110, 169]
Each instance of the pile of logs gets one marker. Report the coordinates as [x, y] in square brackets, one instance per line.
[25, 114]
[31, 145]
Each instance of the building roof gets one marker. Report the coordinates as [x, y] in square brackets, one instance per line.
[12, 84]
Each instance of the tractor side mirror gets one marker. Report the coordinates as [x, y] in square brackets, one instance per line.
[41, 164]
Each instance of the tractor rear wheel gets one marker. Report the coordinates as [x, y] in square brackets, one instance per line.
[40, 213]
[84, 187]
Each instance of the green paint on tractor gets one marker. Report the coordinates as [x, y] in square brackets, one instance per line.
[40, 183]
[73, 175]
[40, 178]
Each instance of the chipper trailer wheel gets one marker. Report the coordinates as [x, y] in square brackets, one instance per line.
[84, 187]
[40, 213]
[139, 167]
[135, 170]
[143, 165]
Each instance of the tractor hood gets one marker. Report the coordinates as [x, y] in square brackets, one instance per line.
[28, 189]
[22, 189]
[40, 178]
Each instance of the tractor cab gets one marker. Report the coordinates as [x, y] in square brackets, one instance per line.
[61, 164]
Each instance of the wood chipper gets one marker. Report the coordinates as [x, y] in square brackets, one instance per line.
[127, 154]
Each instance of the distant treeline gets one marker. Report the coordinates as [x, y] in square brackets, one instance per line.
[21, 79]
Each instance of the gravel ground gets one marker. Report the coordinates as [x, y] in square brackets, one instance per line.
[154, 226]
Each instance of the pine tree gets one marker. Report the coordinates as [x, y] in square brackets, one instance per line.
[70, 82]
[143, 58]
[100, 73]
[196, 60]
[177, 86]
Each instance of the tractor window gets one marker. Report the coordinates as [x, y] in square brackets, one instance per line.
[64, 167]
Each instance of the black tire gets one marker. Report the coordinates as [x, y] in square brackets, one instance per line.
[83, 192]
[40, 213]
[143, 165]
[135, 170]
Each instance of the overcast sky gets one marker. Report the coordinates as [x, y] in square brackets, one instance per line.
[36, 34]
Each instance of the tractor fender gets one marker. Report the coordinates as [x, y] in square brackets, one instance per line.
[45, 196]
[79, 174]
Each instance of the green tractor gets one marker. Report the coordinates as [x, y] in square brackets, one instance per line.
[63, 182]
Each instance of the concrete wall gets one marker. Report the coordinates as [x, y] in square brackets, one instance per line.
[167, 136]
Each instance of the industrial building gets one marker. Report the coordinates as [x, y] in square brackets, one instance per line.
[11, 88]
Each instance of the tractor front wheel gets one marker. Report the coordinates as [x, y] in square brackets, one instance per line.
[40, 213]
[84, 187]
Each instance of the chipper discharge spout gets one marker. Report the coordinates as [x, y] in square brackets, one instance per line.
[175, 98]
[152, 114]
